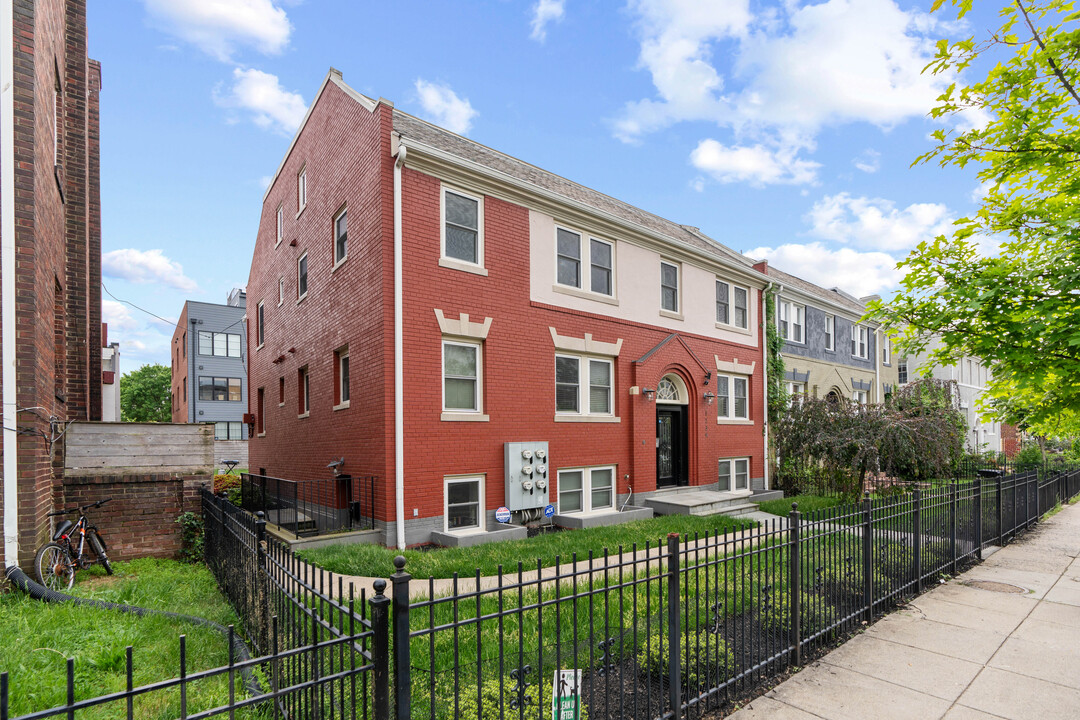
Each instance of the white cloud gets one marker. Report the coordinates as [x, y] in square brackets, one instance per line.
[146, 267]
[544, 12]
[869, 161]
[756, 165]
[857, 273]
[877, 223]
[117, 315]
[444, 107]
[261, 94]
[220, 27]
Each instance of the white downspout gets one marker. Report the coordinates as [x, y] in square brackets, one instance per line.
[7, 279]
[877, 364]
[399, 371]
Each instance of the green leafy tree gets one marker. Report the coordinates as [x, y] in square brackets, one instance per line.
[1016, 308]
[145, 394]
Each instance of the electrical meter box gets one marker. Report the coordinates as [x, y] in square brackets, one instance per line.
[528, 475]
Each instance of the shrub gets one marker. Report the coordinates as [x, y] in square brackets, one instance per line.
[705, 657]
[1030, 457]
[191, 537]
[814, 615]
[495, 697]
[224, 483]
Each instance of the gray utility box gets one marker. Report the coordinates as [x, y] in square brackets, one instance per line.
[528, 471]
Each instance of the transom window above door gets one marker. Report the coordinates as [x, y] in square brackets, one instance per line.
[672, 390]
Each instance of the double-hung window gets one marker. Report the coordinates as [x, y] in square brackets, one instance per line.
[463, 235]
[461, 376]
[584, 263]
[734, 474]
[301, 277]
[464, 508]
[669, 287]
[792, 319]
[732, 398]
[860, 397]
[585, 490]
[732, 306]
[860, 341]
[902, 372]
[341, 370]
[796, 392]
[260, 324]
[341, 238]
[830, 332]
[583, 385]
[886, 350]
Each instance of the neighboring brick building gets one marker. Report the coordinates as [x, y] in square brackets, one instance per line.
[533, 310]
[209, 377]
[50, 215]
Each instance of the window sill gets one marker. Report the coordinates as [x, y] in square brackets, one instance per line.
[341, 406]
[262, 434]
[301, 298]
[303, 415]
[465, 532]
[587, 418]
[339, 263]
[733, 421]
[281, 404]
[300, 212]
[733, 328]
[669, 314]
[277, 242]
[464, 417]
[259, 346]
[584, 294]
[468, 267]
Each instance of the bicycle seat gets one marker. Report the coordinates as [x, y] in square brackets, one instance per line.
[62, 529]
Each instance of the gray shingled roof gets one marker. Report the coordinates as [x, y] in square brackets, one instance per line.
[414, 128]
[835, 296]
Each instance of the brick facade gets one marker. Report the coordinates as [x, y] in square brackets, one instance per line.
[58, 242]
[351, 304]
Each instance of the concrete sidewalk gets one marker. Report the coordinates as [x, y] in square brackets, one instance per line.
[1000, 641]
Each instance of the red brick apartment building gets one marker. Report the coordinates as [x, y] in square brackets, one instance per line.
[50, 220]
[626, 348]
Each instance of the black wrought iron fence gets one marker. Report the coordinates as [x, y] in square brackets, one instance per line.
[312, 507]
[675, 629]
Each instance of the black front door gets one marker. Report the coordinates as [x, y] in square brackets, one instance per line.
[671, 446]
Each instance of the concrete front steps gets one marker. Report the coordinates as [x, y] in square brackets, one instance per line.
[686, 501]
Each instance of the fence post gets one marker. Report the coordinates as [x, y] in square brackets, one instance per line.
[380, 651]
[674, 625]
[402, 659]
[868, 556]
[1000, 512]
[795, 582]
[978, 517]
[917, 497]
[261, 599]
[952, 527]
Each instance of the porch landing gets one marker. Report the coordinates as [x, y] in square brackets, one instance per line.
[702, 502]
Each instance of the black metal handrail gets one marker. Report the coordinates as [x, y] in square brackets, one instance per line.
[312, 507]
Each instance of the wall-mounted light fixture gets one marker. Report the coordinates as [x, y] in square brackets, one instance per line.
[709, 397]
[649, 393]
[708, 376]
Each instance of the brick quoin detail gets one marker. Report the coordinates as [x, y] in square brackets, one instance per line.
[353, 304]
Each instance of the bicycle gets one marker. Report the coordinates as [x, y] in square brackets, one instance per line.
[57, 561]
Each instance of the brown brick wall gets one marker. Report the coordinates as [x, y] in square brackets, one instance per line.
[140, 521]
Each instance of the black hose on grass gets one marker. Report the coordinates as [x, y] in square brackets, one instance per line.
[39, 592]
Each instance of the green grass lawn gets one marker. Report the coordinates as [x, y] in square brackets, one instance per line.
[377, 561]
[39, 637]
[807, 503]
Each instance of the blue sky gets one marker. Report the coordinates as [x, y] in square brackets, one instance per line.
[781, 129]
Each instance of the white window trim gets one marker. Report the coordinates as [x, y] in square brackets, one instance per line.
[304, 390]
[280, 291]
[886, 350]
[796, 391]
[584, 414]
[280, 220]
[731, 474]
[342, 353]
[830, 333]
[300, 297]
[301, 198]
[857, 333]
[481, 514]
[333, 240]
[731, 306]
[675, 314]
[458, 413]
[791, 305]
[456, 263]
[584, 267]
[260, 325]
[731, 418]
[586, 490]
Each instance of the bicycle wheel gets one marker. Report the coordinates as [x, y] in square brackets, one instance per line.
[55, 570]
[98, 546]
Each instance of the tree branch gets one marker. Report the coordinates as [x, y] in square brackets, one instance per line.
[1053, 65]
